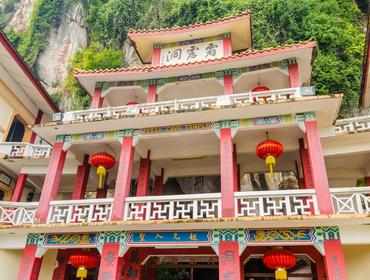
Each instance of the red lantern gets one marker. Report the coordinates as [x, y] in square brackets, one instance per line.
[83, 262]
[280, 260]
[102, 161]
[260, 88]
[269, 150]
[132, 103]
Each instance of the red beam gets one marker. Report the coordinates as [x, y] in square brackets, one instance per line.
[158, 184]
[229, 261]
[19, 187]
[144, 176]
[110, 262]
[97, 99]
[37, 121]
[294, 78]
[227, 47]
[156, 56]
[334, 260]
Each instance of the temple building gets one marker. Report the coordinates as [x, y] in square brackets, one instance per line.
[212, 159]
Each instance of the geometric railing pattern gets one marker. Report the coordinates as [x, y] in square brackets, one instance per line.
[21, 150]
[174, 207]
[187, 105]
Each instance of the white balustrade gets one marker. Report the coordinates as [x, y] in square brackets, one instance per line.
[17, 213]
[173, 207]
[80, 211]
[353, 125]
[19, 150]
[187, 105]
[351, 200]
[275, 203]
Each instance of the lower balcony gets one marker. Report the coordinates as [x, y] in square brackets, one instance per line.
[25, 150]
[180, 207]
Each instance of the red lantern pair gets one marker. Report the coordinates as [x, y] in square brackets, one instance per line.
[280, 260]
[269, 150]
[102, 161]
[83, 262]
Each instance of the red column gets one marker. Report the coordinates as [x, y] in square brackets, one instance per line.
[227, 173]
[306, 168]
[82, 176]
[317, 163]
[61, 271]
[123, 180]
[97, 99]
[158, 184]
[144, 176]
[156, 56]
[229, 261]
[133, 259]
[152, 94]
[228, 84]
[294, 78]
[110, 263]
[37, 121]
[235, 169]
[51, 182]
[367, 181]
[30, 264]
[334, 260]
[18, 189]
[102, 193]
[227, 46]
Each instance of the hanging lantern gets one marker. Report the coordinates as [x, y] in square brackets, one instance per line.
[269, 150]
[280, 260]
[102, 161]
[260, 88]
[83, 262]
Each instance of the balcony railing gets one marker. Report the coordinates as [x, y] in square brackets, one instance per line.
[353, 125]
[21, 150]
[173, 207]
[17, 213]
[170, 208]
[351, 200]
[276, 203]
[186, 105]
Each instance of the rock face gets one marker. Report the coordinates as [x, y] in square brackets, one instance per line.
[21, 16]
[63, 42]
[130, 57]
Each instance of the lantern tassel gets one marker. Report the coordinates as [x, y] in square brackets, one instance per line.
[270, 162]
[281, 274]
[81, 273]
[101, 171]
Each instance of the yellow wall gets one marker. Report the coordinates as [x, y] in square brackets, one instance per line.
[11, 106]
[10, 261]
[357, 258]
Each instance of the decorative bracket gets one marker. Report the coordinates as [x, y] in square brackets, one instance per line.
[233, 124]
[113, 237]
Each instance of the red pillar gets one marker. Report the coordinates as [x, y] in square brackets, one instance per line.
[156, 56]
[227, 46]
[30, 264]
[51, 182]
[152, 94]
[227, 172]
[228, 84]
[37, 121]
[229, 261]
[294, 78]
[367, 181]
[235, 169]
[133, 259]
[102, 193]
[144, 176]
[317, 163]
[97, 99]
[61, 271]
[158, 184]
[19, 187]
[334, 260]
[123, 180]
[306, 168]
[82, 176]
[110, 263]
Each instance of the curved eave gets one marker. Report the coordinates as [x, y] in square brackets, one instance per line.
[22, 74]
[302, 51]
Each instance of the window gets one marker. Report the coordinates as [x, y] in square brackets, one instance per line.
[16, 131]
